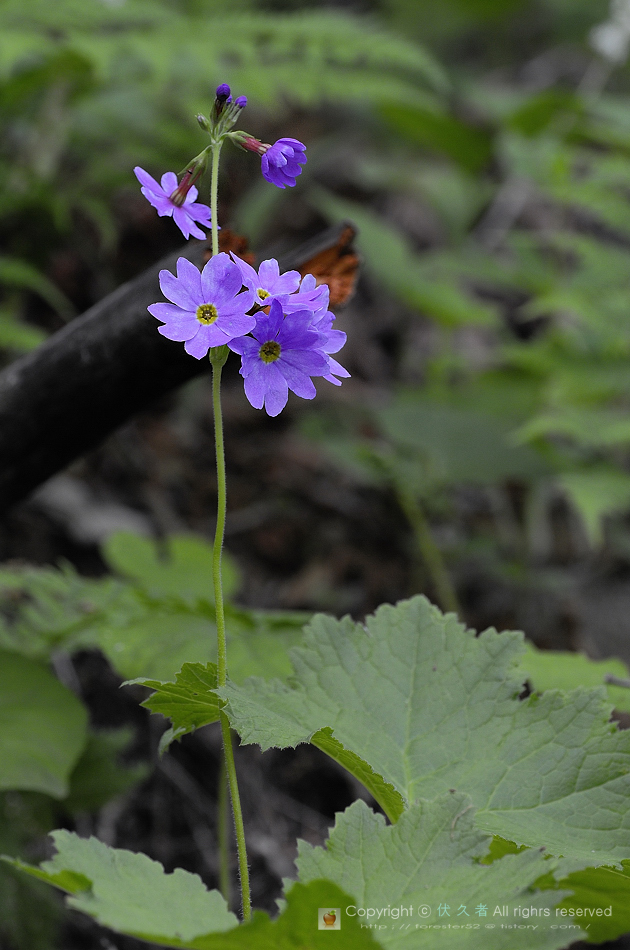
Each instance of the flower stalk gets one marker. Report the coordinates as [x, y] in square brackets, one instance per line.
[218, 356]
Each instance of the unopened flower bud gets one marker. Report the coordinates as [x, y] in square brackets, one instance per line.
[222, 97]
[192, 174]
[203, 122]
[249, 143]
[241, 101]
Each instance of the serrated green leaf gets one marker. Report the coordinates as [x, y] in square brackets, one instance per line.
[429, 860]
[43, 727]
[131, 893]
[559, 669]
[190, 702]
[430, 706]
[182, 568]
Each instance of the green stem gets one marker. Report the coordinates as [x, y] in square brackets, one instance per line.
[217, 366]
[218, 356]
[239, 828]
[224, 834]
[214, 196]
[429, 551]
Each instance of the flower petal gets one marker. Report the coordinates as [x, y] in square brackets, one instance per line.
[275, 401]
[163, 204]
[220, 280]
[244, 346]
[179, 330]
[186, 224]
[190, 277]
[248, 274]
[268, 273]
[269, 324]
[178, 292]
[311, 362]
[338, 370]
[168, 311]
[147, 180]
[298, 382]
[198, 345]
[169, 182]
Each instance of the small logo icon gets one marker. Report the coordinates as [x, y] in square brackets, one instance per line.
[329, 918]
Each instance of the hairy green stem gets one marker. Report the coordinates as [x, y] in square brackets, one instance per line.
[218, 356]
[223, 804]
[214, 196]
[217, 366]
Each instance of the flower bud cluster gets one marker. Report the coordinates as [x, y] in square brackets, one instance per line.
[281, 163]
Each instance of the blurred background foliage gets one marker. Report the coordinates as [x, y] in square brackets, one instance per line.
[481, 147]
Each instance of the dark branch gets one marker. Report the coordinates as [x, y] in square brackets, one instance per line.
[69, 394]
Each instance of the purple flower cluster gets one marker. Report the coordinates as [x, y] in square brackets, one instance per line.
[291, 340]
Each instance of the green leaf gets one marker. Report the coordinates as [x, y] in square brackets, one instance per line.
[141, 635]
[386, 795]
[600, 901]
[190, 702]
[16, 335]
[596, 494]
[388, 254]
[43, 727]
[429, 706]
[155, 640]
[470, 146]
[558, 669]
[586, 427]
[97, 777]
[429, 860]
[131, 893]
[457, 444]
[29, 911]
[18, 273]
[181, 568]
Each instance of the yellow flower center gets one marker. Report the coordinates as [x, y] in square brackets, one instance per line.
[206, 313]
[263, 294]
[269, 351]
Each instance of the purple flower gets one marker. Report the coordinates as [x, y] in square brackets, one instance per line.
[310, 296]
[207, 308]
[160, 196]
[331, 342]
[223, 91]
[282, 355]
[268, 284]
[281, 162]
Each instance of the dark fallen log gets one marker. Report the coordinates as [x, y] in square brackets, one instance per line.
[69, 394]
